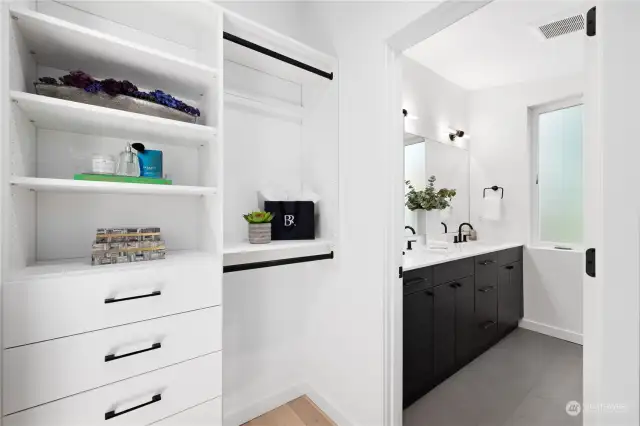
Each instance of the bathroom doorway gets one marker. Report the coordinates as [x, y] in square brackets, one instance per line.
[434, 27]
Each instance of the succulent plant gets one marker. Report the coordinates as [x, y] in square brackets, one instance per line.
[258, 217]
[428, 198]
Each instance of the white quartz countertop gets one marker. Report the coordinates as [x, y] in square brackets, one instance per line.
[421, 257]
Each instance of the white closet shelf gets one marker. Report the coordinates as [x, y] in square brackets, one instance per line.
[256, 33]
[243, 253]
[69, 185]
[75, 117]
[83, 265]
[67, 46]
[264, 105]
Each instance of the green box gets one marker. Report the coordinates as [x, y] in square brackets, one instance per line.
[122, 179]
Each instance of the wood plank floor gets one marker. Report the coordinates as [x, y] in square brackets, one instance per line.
[299, 412]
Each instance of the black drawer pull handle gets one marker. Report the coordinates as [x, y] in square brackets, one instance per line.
[111, 414]
[415, 281]
[455, 285]
[509, 267]
[487, 262]
[114, 300]
[488, 324]
[429, 293]
[486, 289]
[112, 357]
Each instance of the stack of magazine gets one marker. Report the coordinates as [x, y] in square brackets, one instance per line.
[124, 245]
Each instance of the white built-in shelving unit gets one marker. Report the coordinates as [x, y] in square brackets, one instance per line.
[82, 344]
[139, 342]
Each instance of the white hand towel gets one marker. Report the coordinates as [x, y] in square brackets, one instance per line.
[492, 207]
[438, 244]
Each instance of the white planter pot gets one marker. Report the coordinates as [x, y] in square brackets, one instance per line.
[428, 224]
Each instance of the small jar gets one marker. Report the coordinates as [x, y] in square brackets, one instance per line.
[103, 164]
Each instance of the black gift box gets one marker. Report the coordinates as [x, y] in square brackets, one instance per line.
[294, 220]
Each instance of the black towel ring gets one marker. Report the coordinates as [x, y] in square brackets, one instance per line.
[494, 188]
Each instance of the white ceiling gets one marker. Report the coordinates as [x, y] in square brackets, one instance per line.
[500, 45]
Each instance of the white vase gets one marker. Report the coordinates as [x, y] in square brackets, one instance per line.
[428, 224]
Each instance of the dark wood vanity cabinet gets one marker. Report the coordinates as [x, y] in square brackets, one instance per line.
[453, 312]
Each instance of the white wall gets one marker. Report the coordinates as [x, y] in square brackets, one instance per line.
[436, 102]
[553, 292]
[500, 155]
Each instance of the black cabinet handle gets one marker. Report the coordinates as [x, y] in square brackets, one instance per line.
[112, 357]
[509, 267]
[487, 262]
[428, 293]
[111, 414]
[114, 300]
[415, 281]
[486, 289]
[454, 285]
[488, 324]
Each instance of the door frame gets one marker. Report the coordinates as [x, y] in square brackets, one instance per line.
[425, 26]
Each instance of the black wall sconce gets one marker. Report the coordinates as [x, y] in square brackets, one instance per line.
[453, 134]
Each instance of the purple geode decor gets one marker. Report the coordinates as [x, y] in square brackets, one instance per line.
[115, 89]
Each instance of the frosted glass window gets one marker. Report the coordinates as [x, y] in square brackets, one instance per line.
[560, 175]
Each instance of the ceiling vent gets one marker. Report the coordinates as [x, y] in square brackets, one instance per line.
[563, 26]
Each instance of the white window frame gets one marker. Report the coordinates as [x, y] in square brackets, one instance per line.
[534, 115]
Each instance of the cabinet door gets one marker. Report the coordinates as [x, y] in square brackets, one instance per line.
[465, 320]
[517, 279]
[444, 329]
[509, 297]
[417, 345]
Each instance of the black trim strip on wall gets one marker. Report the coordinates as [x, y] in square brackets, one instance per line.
[261, 49]
[277, 262]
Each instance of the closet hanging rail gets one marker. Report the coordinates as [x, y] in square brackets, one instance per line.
[261, 49]
[277, 262]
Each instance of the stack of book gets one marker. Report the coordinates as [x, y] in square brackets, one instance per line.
[124, 245]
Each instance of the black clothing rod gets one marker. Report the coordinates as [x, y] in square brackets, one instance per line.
[261, 49]
[278, 262]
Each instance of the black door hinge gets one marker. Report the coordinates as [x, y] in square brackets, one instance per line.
[591, 22]
[591, 262]
[400, 274]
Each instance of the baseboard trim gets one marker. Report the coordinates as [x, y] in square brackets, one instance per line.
[267, 404]
[256, 409]
[327, 406]
[549, 330]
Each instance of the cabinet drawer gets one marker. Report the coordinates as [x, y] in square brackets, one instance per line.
[137, 401]
[417, 280]
[207, 414]
[57, 368]
[46, 308]
[451, 271]
[486, 269]
[509, 256]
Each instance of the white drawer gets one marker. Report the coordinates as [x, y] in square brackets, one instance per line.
[43, 372]
[175, 389]
[207, 414]
[40, 309]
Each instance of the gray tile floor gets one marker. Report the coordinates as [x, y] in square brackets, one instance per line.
[525, 380]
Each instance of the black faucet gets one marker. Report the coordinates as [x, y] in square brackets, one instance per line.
[410, 241]
[446, 230]
[460, 230]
